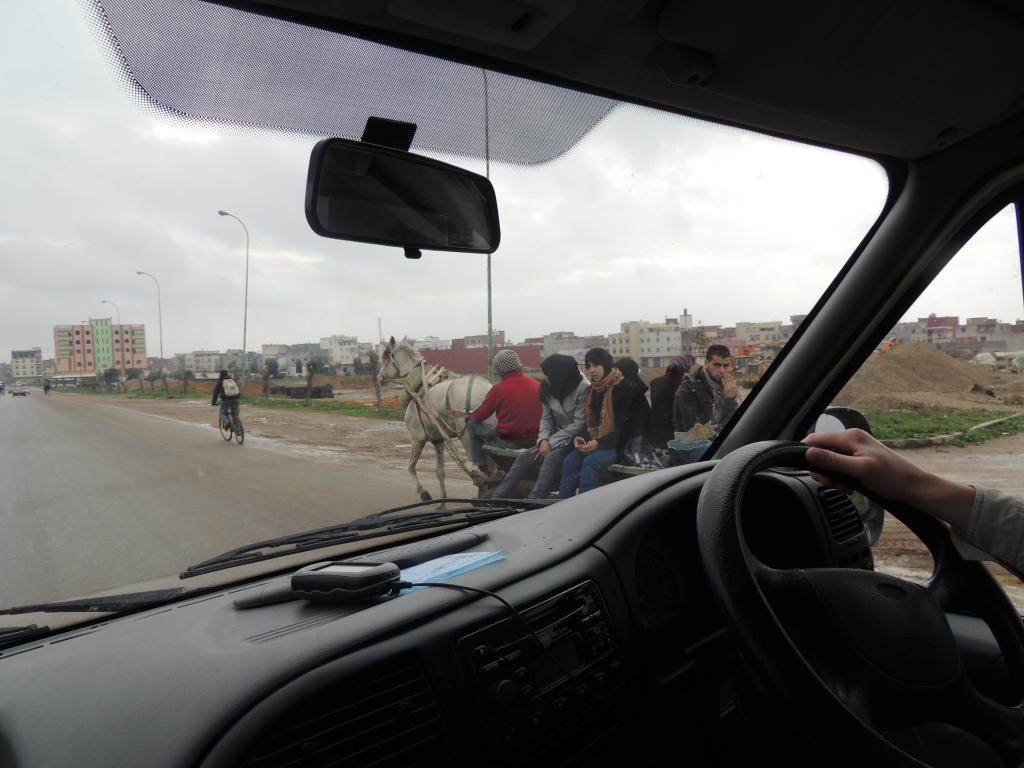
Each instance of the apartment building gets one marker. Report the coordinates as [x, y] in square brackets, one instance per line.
[759, 333]
[346, 353]
[27, 365]
[433, 342]
[97, 345]
[652, 345]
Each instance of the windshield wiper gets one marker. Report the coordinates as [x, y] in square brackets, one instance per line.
[11, 636]
[372, 526]
[106, 604]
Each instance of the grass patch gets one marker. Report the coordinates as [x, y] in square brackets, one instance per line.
[330, 406]
[1009, 427]
[894, 425]
[286, 403]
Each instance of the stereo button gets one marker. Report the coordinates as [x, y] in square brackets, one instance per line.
[503, 694]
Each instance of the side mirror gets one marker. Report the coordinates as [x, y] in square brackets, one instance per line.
[837, 419]
[373, 194]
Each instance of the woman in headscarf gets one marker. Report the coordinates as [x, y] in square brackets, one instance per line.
[663, 395]
[562, 418]
[639, 417]
[606, 405]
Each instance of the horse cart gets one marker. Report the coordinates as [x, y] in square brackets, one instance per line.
[500, 459]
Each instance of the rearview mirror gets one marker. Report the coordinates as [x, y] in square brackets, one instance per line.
[372, 194]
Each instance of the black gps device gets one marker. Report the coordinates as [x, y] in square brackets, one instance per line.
[344, 582]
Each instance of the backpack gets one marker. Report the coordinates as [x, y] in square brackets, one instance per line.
[230, 388]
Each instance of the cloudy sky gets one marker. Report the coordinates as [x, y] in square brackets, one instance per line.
[649, 215]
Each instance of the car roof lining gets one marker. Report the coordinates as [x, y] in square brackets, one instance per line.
[902, 80]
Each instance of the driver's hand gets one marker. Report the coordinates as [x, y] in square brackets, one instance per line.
[858, 455]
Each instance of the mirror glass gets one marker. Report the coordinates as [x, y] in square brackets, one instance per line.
[363, 192]
[828, 423]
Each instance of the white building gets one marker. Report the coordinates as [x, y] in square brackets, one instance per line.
[652, 345]
[200, 361]
[433, 342]
[27, 364]
[346, 353]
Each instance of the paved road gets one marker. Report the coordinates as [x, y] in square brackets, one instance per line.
[94, 497]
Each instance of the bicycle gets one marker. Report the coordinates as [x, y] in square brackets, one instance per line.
[231, 427]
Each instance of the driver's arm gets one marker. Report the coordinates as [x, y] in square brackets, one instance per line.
[989, 520]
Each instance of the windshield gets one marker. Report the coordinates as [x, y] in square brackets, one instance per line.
[144, 252]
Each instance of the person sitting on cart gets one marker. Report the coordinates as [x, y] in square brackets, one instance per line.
[607, 405]
[516, 402]
[562, 418]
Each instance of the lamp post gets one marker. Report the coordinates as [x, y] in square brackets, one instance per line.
[119, 330]
[159, 315]
[245, 313]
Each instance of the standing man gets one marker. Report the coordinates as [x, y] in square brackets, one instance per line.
[706, 397]
[228, 392]
[516, 402]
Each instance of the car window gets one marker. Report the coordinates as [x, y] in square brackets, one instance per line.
[146, 250]
[945, 387]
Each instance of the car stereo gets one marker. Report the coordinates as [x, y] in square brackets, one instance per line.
[525, 689]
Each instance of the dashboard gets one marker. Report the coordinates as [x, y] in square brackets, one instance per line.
[615, 655]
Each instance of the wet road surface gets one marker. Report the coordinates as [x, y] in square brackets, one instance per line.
[94, 497]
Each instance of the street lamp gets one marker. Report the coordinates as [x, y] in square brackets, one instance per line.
[245, 314]
[159, 315]
[120, 331]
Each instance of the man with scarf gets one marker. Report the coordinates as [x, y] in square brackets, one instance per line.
[606, 406]
[562, 419]
[707, 396]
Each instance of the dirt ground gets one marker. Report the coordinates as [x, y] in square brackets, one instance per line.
[356, 439]
[917, 376]
[995, 464]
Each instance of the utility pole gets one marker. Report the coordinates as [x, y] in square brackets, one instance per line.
[159, 315]
[245, 311]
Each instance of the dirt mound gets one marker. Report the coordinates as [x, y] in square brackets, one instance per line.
[916, 376]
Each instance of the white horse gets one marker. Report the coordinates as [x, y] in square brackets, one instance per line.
[401, 360]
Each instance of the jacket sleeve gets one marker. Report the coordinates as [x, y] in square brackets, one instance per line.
[486, 408]
[217, 392]
[729, 406]
[684, 410]
[995, 530]
[578, 425]
[547, 423]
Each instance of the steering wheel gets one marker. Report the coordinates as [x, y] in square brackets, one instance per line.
[860, 658]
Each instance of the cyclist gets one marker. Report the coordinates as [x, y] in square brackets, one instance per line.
[228, 392]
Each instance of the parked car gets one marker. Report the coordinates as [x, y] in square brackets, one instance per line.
[19, 391]
[724, 613]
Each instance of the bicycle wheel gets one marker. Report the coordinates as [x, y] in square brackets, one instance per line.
[225, 429]
[239, 431]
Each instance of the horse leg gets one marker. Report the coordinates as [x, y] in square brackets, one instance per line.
[417, 449]
[439, 469]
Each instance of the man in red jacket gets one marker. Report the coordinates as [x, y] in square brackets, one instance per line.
[516, 402]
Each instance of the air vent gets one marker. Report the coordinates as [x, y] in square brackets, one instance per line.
[843, 519]
[385, 717]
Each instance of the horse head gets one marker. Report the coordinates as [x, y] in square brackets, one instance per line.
[397, 359]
